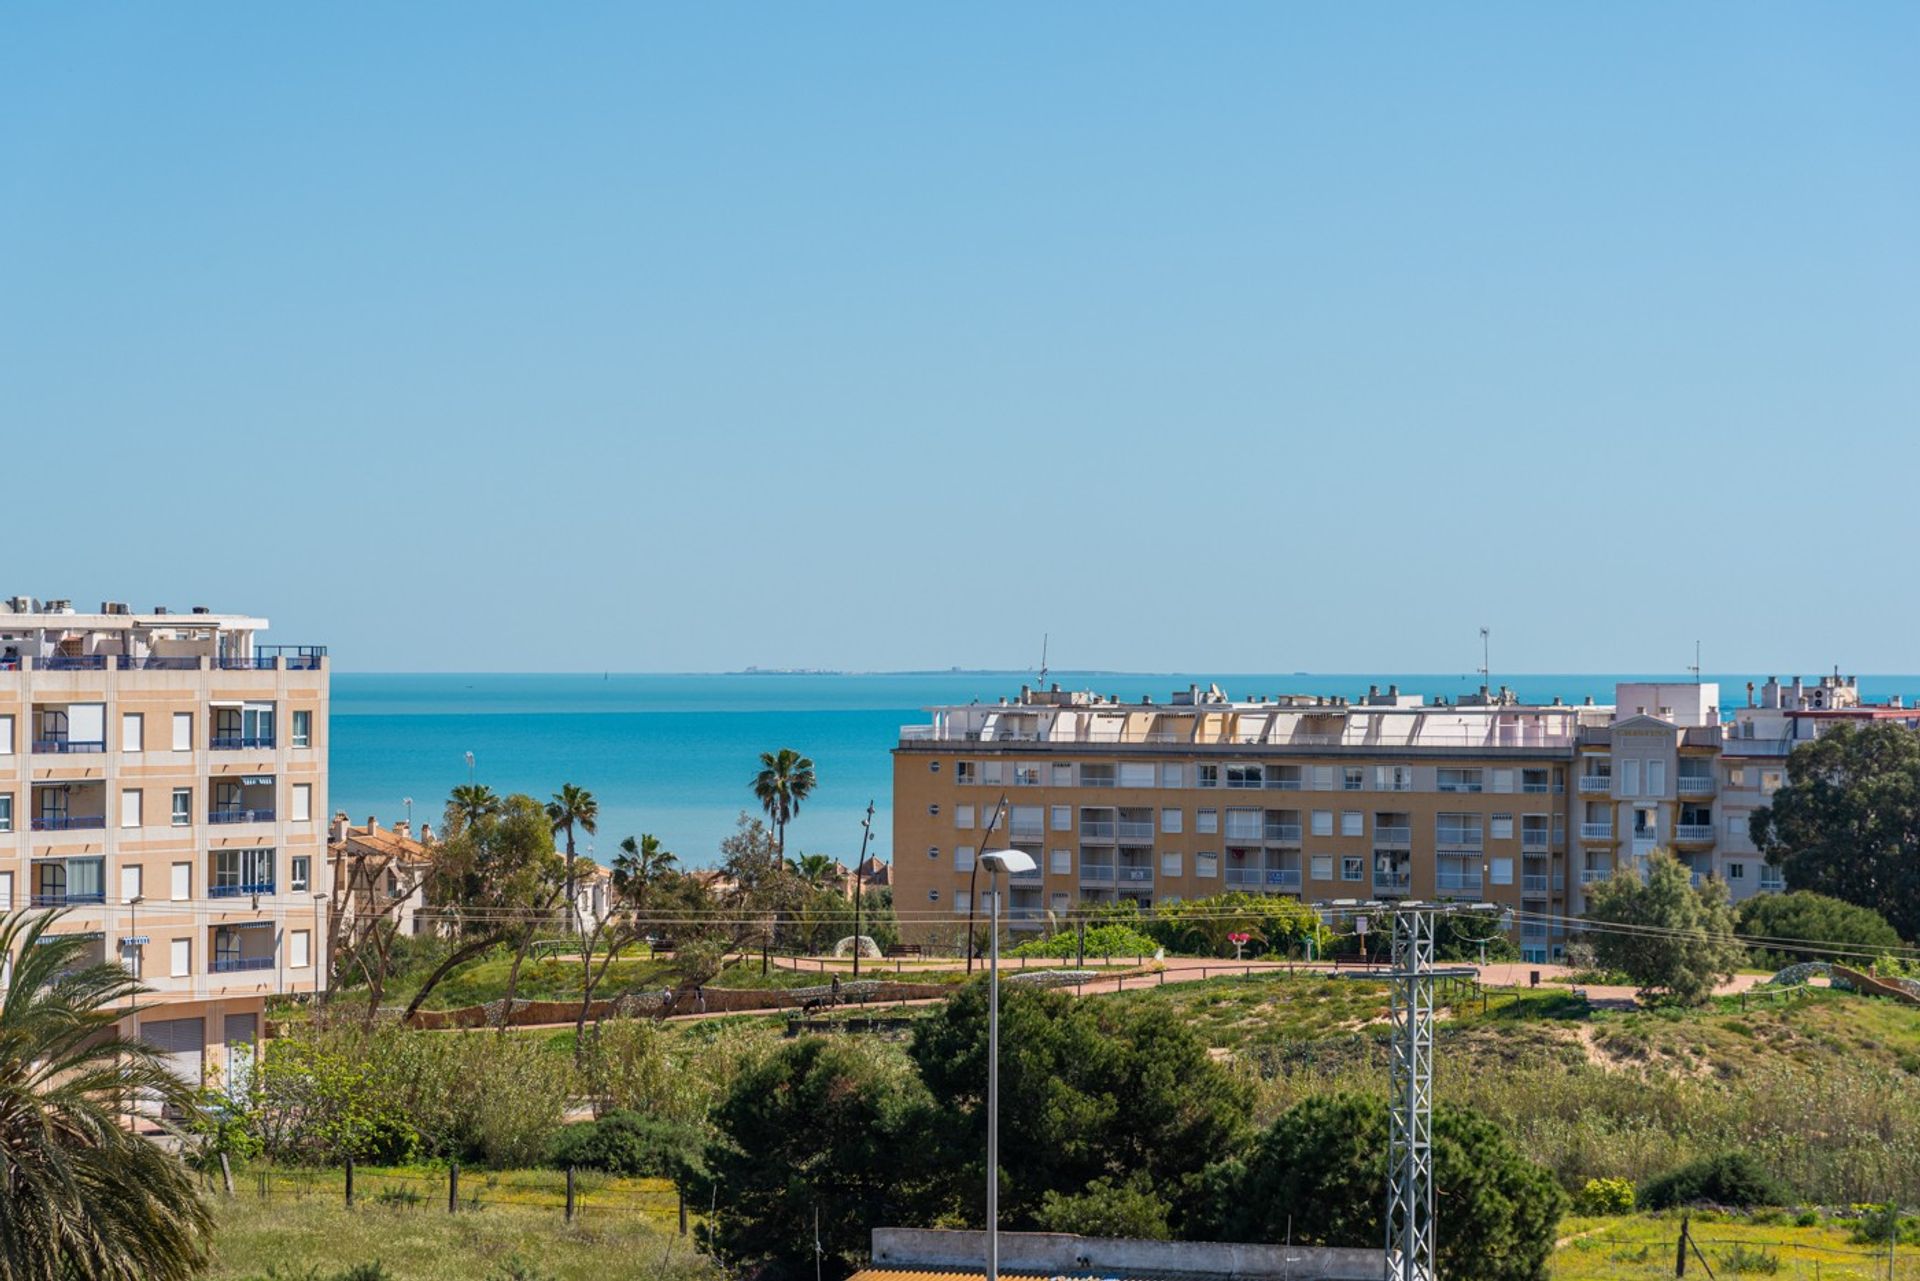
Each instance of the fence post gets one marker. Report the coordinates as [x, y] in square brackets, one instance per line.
[349, 1183]
[569, 1194]
[680, 1194]
[453, 1188]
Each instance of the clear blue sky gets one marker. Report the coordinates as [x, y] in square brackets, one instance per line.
[1240, 337]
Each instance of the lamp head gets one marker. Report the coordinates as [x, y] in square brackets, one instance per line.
[1009, 861]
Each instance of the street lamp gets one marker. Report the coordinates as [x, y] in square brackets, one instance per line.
[1011, 862]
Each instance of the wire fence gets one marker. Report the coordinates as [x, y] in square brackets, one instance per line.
[568, 1194]
[1718, 1250]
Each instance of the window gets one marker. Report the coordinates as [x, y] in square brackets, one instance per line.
[1323, 778]
[1502, 827]
[1243, 825]
[1170, 863]
[6, 736]
[303, 731]
[965, 773]
[1630, 778]
[990, 772]
[1352, 868]
[1063, 818]
[130, 881]
[1320, 867]
[179, 958]
[1457, 829]
[1206, 820]
[130, 731]
[1737, 776]
[303, 802]
[298, 944]
[1351, 823]
[1393, 778]
[298, 872]
[6, 811]
[1206, 776]
[238, 872]
[1062, 862]
[129, 807]
[1173, 776]
[933, 896]
[1096, 776]
[962, 902]
[963, 816]
[1501, 870]
[934, 810]
[6, 891]
[1171, 820]
[1059, 901]
[183, 807]
[1138, 773]
[1503, 780]
[183, 731]
[1024, 821]
[1246, 776]
[1206, 863]
[963, 858]
[1458, 780]
[1062, 775]
[1770, 781]
[1026, 776]
[1736, 871]
[1737, 825]
[1352, 778]
[933, 767]
[180, 885]
[1656, 778]
[1322, 823]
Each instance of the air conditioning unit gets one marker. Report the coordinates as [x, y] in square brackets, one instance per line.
[24, 605]
[113, 607]
[159, 609]
[201, 609]
[59, 607]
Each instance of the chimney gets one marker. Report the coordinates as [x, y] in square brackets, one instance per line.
[426, 833]
[373, 824]
[339, 825]
[403, 829]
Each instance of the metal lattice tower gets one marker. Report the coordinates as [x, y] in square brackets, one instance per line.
[1410, 1147]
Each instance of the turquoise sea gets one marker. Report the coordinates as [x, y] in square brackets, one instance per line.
[673, 754]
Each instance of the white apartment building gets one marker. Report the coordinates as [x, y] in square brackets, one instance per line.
[163, 782]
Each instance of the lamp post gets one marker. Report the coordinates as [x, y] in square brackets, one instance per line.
[1010, 862]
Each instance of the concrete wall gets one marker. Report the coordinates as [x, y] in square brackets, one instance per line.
[1062, 1254]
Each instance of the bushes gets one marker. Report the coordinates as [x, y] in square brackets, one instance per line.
[1107, 1209]
[1102, 940]
[627, 1143]
[1731, 1179]
[1605, 1196]
[1851, 933]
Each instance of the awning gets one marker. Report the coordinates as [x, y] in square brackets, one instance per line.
[225, 702]
[248, 925]
[256, 780]
[135, 940]
[88, 934]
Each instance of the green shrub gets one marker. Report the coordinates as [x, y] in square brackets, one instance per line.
[626, 1143]
[1730, 1179]
[1878, 1224]
[1740, 1261]
[1102, 940]
[1605, 1196]
[1107, 1209]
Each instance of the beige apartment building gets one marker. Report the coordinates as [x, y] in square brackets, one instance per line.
[163, 780]
[1383, 796]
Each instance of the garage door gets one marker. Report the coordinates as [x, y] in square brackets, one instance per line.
[182, 1042]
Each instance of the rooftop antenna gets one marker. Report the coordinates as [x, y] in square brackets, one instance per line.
[1044, 638]
[1695, 669]
[1486, 678]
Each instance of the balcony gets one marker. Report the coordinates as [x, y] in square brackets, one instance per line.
[1392, 835]
[1458, 786]
[1097, 830]
[1693, 832]
[1283, 784]
[1284, 833]
[1594, 875]
[1535, 789]
[65, 746]
[237, 815]
[68, 822]
[241, 890]
[69, 900]
[1035, 877]
[1533, 838]
[1694, 785]
[1533, 882]
[1392, 882]
[1244, 876]
[73, 663]
[240, 742]
[1773, 884]
[1096, 873]
[235, 964]
[1284, 878]
[1596, 831]
[1448, 839]
[1018, 833]
[1134, 875]
[1596, 783]
[1532, 931]
[1457, 882]
[1130, 829]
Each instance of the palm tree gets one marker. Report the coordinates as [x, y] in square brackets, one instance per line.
[573, 805]
[638, 865]
[472, 802]
[83, 1194]
[785, 779]
[817, 870]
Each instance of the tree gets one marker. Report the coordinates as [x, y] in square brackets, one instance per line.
[1671, 938]
[637, 866]
[825, 1141]
[573, 806]
[817, 870]
[493, 873]
[636, 869]
[1851, 935]
[785, 780]
[1847, 823]
[1320, 1170]
[469, 803]
[1105, 1208]
[83, 1195]
[1092, 1089]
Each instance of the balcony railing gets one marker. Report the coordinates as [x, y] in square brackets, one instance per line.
[1773, 884]
[1535, 789]
[1455, 840]
[1533, 882]
[1533, 838]
[62, 746]
[240, 816]
[1283, 784]
[1026, 878]
[1392, 882]
[234, 964]
[1457, 882]
[67, 822]
[241, 891]
[161, 663]
[1136, 874]
[1243, 876]
[1458, 787]
[69, 900]
[1287, 878]
[1097, 873]
[1097, 830]
[239, 742]
[1530, 930]
[1088, 779]
[1594, 875]
[1135, 830]
[1596, 831]
[1596, 783]
[1015, 831]
[1281, 832]
[73, 663]
[1693, 832]
[1693, 785]
[1391, 835]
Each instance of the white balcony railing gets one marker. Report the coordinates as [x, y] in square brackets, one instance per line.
[1596, 831]
[1457, 882]
[1131, 830]
[1693, 832]
[1285, 832]
[1596, 783]
[1694, 785]
[1594, 875]
[1392, 835]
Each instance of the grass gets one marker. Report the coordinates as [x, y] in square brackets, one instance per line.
[1269, 1009]
[1643, 1245]
[518, 1222]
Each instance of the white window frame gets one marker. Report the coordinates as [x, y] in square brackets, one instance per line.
[183, 731]
[1353, 823]
[132, 731]
[1172, 819]
[302, 802]
[130, 807]
[180, 958]
[963, 817]
[1062, 818]
[299, 945]
[1320, 823]
[180, 882]
[1320, 867]
[1206, 821]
